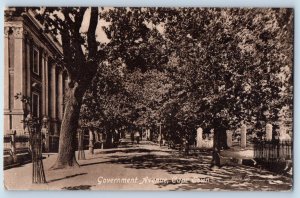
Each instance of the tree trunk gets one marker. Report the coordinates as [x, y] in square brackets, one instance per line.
[67, 139]
[222, 138]
[220, 143]
[216, 144]
[216, 149]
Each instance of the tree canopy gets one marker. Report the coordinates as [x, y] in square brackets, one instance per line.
[204, 67]
[182, 67]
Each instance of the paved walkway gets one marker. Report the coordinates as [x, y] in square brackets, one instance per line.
[147, 167]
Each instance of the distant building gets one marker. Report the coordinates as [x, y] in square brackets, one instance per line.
[31, 69]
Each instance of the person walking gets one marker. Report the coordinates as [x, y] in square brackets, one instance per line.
[137, 137]
[186, 146]
[132, 137]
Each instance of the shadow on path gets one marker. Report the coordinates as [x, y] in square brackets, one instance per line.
[81, 187]
[132, 150]
[237, 177]
[67, 177]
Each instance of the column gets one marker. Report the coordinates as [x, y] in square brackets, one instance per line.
[243, 136]
[229, 138]
[18, 68]
[199, 137]
[6, 71]
[283, 135]
[6, 82]
[46, 101]
[60, 95]
[53, 98]
[67, 79]
[28, 71]
[43, 74]
[91, 142]
[46, 86]
[269, 129]
[18, 74]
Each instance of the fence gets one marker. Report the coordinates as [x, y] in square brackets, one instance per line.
[19, 142]
[273, 150]
[16, 149]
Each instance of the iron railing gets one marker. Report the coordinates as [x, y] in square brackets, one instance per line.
[273, 150]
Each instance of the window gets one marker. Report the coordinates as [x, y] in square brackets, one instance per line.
[35, 104]
[36, 61]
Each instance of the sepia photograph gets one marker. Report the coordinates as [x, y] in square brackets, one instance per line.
[148, 98]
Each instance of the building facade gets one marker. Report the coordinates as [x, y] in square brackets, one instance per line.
[31, 70]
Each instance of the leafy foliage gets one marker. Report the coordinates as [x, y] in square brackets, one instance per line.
[208, 67]
[184, 67]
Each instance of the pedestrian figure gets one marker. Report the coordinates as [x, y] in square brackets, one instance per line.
[44, 132]
[137, 137]
[159, 139]
[186, 146]
[116, 137]
[216, 162]
[101, 140]
[132, 137]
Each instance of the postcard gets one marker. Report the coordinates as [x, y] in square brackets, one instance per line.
[148, 98]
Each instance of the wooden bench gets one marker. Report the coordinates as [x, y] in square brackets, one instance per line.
[194, 150]
[7, 152]
[22, 151]
[172, 145]
[20, 156]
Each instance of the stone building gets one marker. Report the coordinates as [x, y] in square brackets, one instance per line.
[31, 68]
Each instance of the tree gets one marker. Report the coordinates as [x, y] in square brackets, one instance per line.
[230, 63]
[81, 56]
[223, 66]
[122, 92]
[120, 97]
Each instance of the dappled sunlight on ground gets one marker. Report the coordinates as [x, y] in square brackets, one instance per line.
[154, 167]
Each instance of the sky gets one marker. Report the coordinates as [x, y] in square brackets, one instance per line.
[101, 36]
